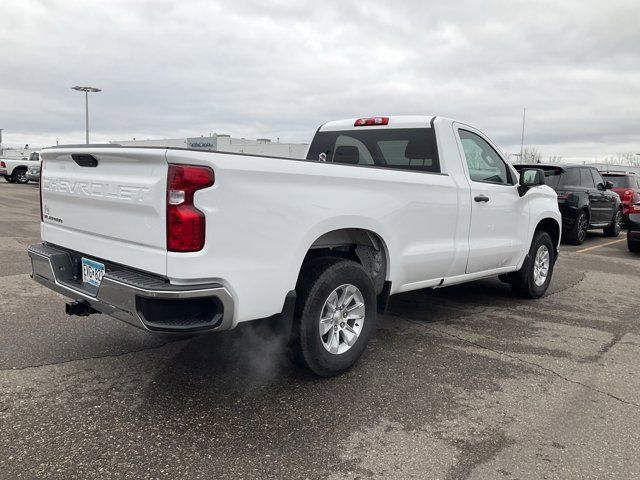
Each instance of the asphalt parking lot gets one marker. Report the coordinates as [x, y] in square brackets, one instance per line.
[464, 382]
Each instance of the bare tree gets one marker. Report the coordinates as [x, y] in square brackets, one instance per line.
[532, 155]
[555, 159]
[626, 158]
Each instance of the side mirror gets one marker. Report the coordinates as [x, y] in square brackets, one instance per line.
[608, 185]
[530, 177]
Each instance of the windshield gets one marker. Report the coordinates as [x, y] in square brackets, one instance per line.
[399, 148]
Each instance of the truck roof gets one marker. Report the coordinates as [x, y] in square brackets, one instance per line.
[395, 121]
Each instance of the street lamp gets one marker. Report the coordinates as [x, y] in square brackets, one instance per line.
[86, 91]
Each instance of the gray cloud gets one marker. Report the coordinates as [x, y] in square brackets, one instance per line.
[280, 68]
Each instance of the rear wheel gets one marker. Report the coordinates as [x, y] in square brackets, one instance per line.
[20, 176]
[613, 229]
[334, 316]
[9, 179]
[633, 246]
[533, 279]
[578, 231]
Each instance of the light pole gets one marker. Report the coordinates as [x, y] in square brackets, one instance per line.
[524, 114]
[86, 91]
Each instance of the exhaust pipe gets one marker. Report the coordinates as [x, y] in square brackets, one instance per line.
[82, 308]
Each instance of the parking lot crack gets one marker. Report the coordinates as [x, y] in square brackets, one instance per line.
[528, 362]
[96, 357]
[569, 286]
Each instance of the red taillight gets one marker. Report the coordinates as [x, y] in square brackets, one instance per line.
[3, 165]
[564, 196]
[362, 122]
[627, 196]
[185, 223]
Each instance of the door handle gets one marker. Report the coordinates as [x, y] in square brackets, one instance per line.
[481, 198]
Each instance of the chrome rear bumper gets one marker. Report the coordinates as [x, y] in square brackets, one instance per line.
[143, 300]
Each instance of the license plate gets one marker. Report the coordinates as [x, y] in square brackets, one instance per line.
[92, 272]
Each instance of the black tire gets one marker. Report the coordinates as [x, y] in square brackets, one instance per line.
[20, 176]
[523, 282]
[578, 232]
[634, 247]
[613, 229]
[319, 278]
[9, 179]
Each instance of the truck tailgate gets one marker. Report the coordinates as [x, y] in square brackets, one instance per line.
[108, 203]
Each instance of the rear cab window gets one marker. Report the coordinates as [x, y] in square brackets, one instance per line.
[413, 149]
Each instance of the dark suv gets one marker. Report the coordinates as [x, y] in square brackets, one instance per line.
[585, 200]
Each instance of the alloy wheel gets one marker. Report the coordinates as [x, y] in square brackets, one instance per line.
[618, 222]
[341, 319]
[582, 227]
[21, 177]
[541, 266]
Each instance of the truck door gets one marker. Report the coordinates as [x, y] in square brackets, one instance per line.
[499, 216]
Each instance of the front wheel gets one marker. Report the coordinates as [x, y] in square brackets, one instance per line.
[334, 316]
[533, 279]
[613, 229]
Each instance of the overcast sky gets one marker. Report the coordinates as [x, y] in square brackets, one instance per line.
[280, 68]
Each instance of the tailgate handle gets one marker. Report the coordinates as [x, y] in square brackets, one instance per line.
[85, 160]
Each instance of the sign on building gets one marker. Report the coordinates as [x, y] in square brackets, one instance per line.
[203, 143]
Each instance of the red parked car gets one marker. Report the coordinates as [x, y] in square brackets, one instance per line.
[627, 186]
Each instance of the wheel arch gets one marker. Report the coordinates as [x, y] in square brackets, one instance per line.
[362, 245]
[553, 228]
[17, 169]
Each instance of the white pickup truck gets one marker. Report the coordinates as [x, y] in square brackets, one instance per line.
[178, 240]
[14, 170]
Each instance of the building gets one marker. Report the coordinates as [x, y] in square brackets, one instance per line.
[607, 167]
[225, 143]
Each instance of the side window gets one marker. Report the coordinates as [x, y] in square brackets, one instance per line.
[587, 178]
[484, 163]
[597, 178]
[571, 177]
[362, 156]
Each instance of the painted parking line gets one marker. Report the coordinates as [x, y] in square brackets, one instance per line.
[601, 245]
